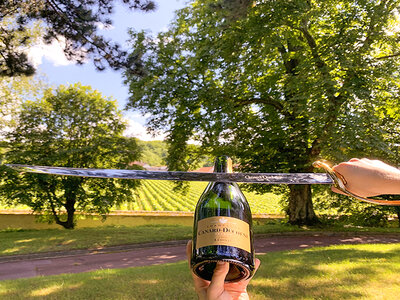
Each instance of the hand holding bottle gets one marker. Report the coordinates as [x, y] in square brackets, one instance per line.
[367, 178]
[222, 229]
[217, 289]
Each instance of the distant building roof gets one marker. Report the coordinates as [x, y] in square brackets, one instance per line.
[160, 168]
[139, 163]
[205, 170]
[148, 167]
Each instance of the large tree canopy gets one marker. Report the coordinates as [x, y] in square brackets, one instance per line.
[72, 127]
[13, 91]
[275, 83]
[75, 21]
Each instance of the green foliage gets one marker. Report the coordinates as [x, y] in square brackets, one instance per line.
[72, 126]
[15, 40]
[76, 21]
[13, 91]
[277, 85]
[338, 209]
[153, 152]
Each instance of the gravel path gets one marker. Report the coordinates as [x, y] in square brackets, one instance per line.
[125, 256]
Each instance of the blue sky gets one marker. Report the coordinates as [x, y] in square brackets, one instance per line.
[110, 83]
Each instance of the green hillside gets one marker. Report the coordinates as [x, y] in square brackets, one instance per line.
[158, 195]
[153, 152]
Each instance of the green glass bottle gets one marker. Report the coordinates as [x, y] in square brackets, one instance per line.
[222, 229]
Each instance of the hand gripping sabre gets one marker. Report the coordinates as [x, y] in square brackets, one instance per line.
[339, 182]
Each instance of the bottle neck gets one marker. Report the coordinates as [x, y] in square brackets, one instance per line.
[223, 164]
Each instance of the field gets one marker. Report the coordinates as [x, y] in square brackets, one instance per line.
[157, 195]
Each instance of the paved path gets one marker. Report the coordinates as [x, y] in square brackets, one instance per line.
[159, 253]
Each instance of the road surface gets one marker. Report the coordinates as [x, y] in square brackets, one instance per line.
[125, 256]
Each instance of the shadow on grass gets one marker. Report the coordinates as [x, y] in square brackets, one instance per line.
[341, 272]
[338, 272]
[32, 241]
[170, 281]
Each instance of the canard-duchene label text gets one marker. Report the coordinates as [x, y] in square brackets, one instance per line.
[226, 231]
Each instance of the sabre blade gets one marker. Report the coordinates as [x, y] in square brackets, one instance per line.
[265, 178]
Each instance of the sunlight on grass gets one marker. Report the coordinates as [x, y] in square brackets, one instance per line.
[13, 250]
[33, 241]
[336, 272]
[46, 291]
[24, 241]
[67, 242]
[150, 281]
[265, 282]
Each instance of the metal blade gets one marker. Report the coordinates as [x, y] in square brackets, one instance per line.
[266, 178]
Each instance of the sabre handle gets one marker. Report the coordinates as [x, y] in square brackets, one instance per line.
[340, 182]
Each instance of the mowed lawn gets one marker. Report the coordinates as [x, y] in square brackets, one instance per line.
[335, 272]
[14, 242]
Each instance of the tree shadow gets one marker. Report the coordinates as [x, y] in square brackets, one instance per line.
[324, 273]
[169, 281]
[340, 272]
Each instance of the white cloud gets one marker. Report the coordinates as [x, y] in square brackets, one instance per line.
[137, 130]
[103, 26]
[132, 114]
[52, 52]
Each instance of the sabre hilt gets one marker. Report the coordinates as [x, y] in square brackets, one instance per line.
[340, 183]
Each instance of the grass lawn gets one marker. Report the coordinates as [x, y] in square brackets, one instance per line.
[33, 241]
[335, 272]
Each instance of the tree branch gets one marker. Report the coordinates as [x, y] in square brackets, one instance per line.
[335, 101]
[53, 209]
[388, 56]
[62, 15]
[320, 64]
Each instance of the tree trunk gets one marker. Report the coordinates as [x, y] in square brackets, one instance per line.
[300, 210]
[70, 187]
[398, 215]
[70, 207]
[69, 223]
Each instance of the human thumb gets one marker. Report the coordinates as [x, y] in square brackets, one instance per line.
[216, 287]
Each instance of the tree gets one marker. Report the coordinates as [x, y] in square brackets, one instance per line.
[72, 126]
[153, 152]
[75, 21]
[275, 83]
[13, 91]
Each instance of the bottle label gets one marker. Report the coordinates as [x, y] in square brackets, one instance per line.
[226, 231]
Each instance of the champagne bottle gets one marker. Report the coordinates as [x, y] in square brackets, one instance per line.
[222, 229]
